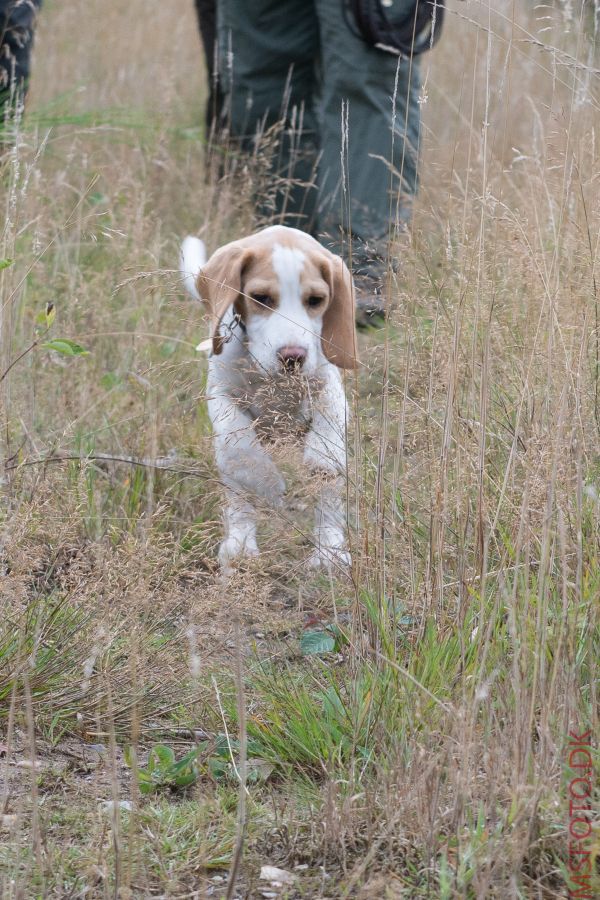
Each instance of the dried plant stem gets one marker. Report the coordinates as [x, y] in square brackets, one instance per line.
[238, 851]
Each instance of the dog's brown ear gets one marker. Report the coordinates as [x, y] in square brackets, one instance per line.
[338, 337]
[220, 283]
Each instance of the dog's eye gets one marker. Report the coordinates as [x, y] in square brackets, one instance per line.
[314, 301]
[263, 300]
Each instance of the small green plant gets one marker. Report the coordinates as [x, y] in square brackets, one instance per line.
[163, 771]
[324, 639]
[43, 322]
[65, 347]
[40, 645]
[211, 759]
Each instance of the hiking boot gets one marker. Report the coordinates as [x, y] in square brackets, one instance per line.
[372, 283]
[376, 283]
[370, 302]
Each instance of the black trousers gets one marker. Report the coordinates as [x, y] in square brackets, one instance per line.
[206, 11]
[17, 26]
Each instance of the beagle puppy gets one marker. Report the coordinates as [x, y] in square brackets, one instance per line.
[282, 328]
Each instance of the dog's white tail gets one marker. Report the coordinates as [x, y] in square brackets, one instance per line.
[192, 257]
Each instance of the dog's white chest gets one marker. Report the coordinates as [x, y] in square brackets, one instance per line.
[279, 404]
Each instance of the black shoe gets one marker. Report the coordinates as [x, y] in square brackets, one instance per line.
[370, 311]
[371, 306]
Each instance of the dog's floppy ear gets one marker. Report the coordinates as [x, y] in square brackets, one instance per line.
[338, 337]
[219, 284]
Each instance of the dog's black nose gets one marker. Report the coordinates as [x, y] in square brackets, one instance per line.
[292, 358]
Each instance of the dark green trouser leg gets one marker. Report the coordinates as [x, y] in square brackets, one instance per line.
[206, 11]
[17, 25]
[267, 51]
[281, 55]
[383, 136]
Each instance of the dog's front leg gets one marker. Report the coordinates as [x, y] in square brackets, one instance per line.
[331, 550]
[240, 531]
[247, 472]
[325, 454]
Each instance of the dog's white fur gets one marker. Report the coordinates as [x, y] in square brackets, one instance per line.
[249, 388]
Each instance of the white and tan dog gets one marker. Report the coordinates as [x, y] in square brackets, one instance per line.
[282, 317]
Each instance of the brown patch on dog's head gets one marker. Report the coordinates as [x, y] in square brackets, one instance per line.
[220, 284]
[338, 337]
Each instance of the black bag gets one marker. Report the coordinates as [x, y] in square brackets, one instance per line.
[417, 32]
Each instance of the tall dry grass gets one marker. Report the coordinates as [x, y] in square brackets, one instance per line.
[426, 757]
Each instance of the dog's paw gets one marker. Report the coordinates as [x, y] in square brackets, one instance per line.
[326, 456]
[334, 560]
[233, 550]
[254, 472]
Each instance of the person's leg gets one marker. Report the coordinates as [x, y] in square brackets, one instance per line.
[206, 11]
[381, 147]
[267, 51]
[17, 25]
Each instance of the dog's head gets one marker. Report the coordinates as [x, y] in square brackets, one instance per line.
[295, 298]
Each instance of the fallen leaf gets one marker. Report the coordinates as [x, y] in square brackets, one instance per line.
[259, 769]
[108, 806]
[97, 748]
[275, 875]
